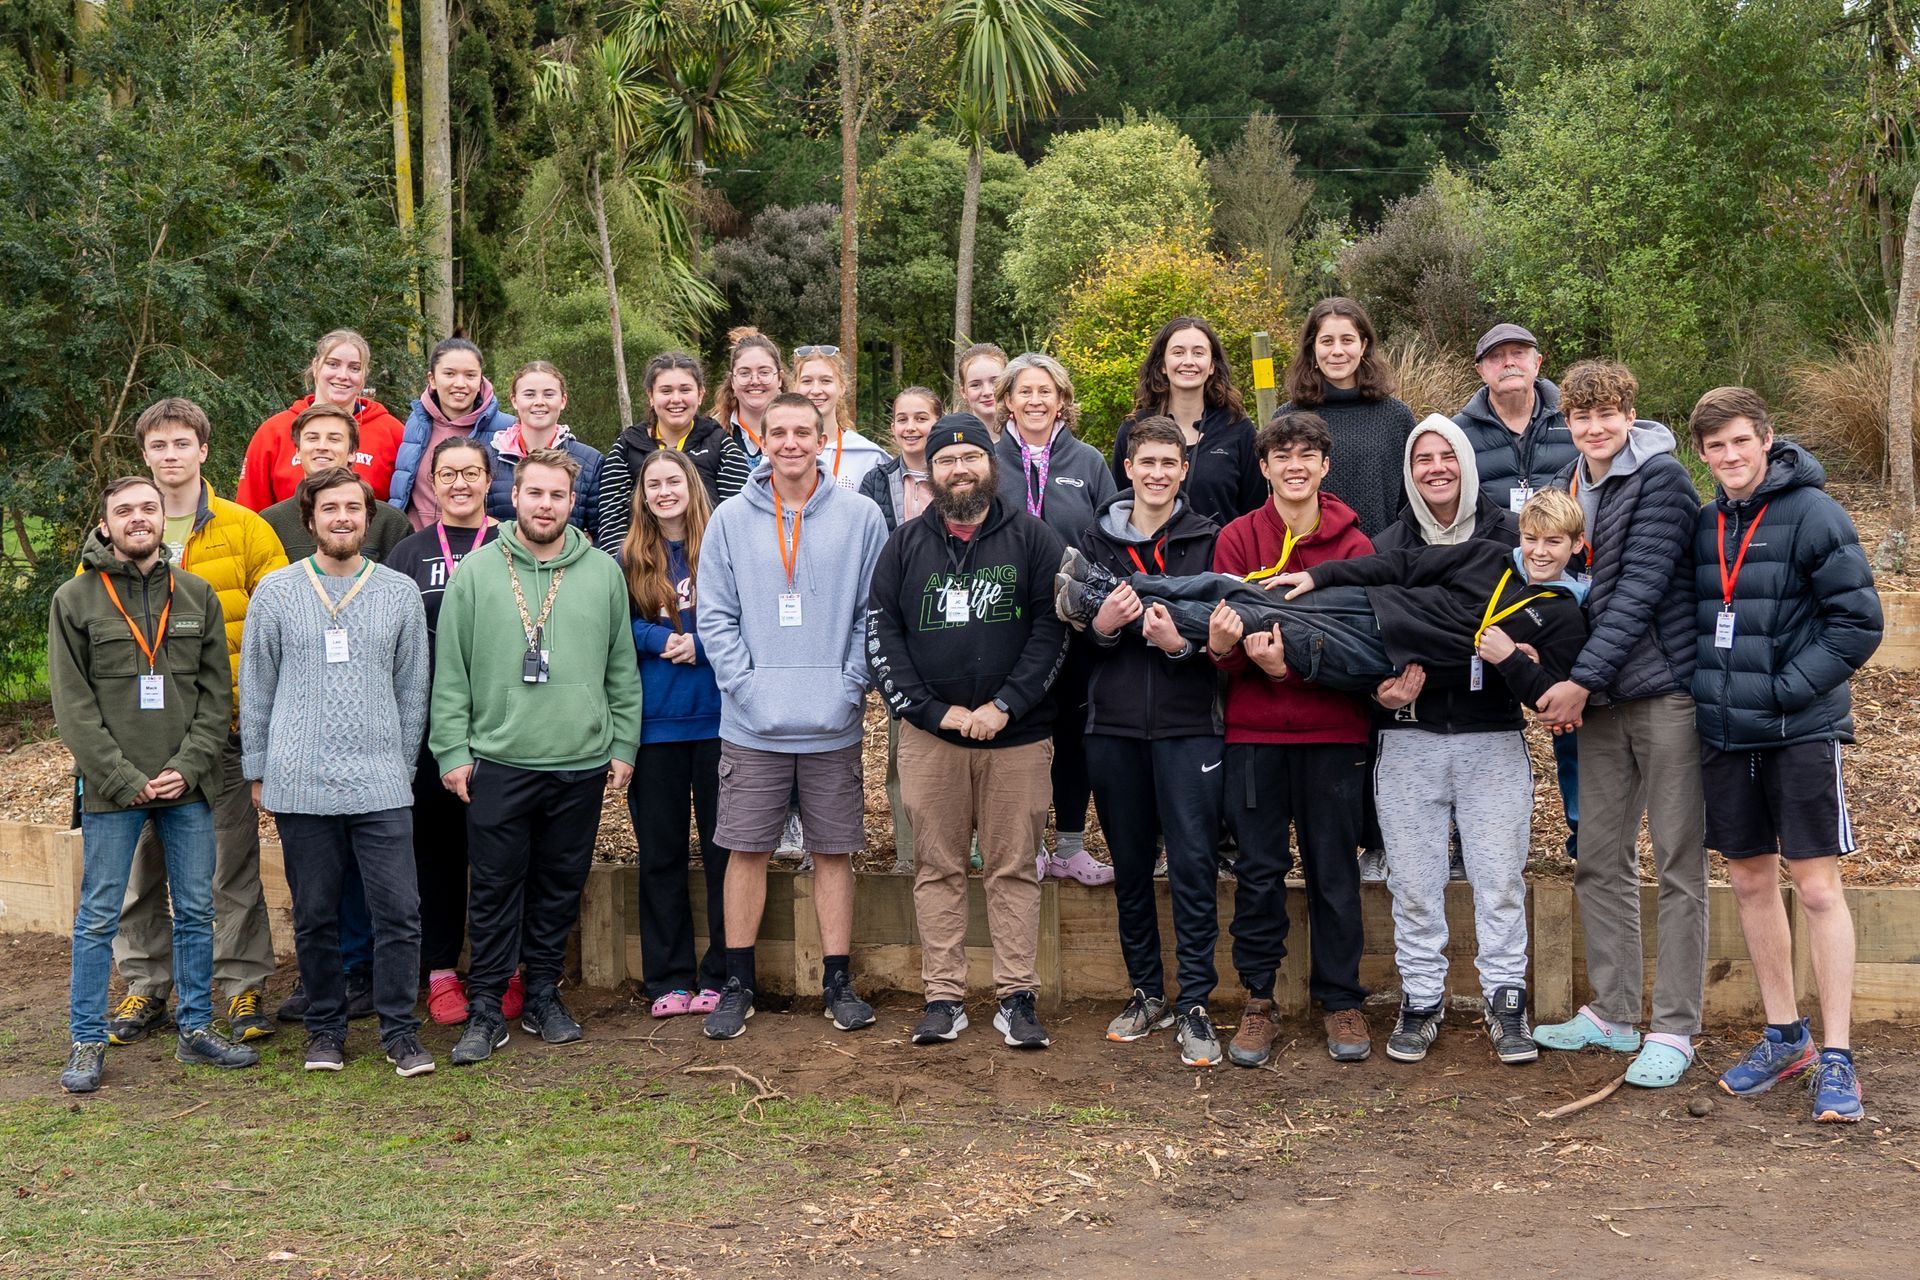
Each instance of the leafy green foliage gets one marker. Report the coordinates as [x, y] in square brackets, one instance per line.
[783, 277]
[1012, 58]
[1416, 272]
[1110, 321]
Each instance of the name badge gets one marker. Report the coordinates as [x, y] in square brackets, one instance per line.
[1723, 630]
[337, 644]
[1519, 497]
[958, 609]
[790, 608]
[153, 693]
[1476, 674]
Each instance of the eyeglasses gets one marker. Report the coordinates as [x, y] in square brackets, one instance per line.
[801, 353]
[472, 475]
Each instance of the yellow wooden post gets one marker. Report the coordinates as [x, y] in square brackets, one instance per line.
[402, 138]
[1265, 397]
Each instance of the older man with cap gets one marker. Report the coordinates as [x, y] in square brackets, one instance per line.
[964, 646]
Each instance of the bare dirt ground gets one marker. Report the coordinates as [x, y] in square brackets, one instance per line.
[1095, 1159]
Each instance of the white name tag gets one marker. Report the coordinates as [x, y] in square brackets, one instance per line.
[153, 693]
[1519, 497]
[337, 644]
[1723, 630]
[957, 607]
[790, 608]
[1476, 674]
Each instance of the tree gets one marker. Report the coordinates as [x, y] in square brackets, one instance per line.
[1098, 191]
[496, 133]
[436, 163]
[1893, 550]
[1419, 271]
[781, 276]
[1260, 199]
[1011, 61]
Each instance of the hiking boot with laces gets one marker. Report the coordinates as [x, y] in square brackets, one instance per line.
[1414, 1032]
[729, 1017]
[546, 1017]
[1018, 1024]
[1076, 602]
[1143, 1016]
[847, 1011]
[136, 1016]
[1373, 866]
[1199, 1042]
[205, 1047]
[1508, 1028]
[1768, 1063]
[408, 1056]
[943, 1020]
[84, 1063]
[1835, 1089]
[1253, 1041]
[248, 1018]
[325, 1052]
[485, 1032]
[1348, 1039]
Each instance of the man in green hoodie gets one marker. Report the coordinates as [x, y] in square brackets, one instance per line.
[137, 661]
[536, 710]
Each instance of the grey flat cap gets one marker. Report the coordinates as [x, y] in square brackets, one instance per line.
[1503, 333]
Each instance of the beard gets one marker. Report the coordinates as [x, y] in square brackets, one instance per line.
[964, 506]
[132, 546]
[340, 546]
[534, 537]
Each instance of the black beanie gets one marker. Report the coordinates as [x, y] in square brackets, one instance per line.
[958, 428]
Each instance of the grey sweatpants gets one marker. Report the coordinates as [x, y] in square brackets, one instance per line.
[1643, 757]
[1423, 783]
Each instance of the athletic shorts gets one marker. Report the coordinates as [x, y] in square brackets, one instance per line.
[756, 787]
[1785, 800]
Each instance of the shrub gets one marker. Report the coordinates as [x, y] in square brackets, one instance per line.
[783, 276]
[1837, 407]
[1429, 379]
[1417, 271]
[1110, 321]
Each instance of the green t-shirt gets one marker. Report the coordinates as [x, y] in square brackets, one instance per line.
[179, 529]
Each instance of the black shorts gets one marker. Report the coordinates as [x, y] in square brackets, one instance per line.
[1785, 800]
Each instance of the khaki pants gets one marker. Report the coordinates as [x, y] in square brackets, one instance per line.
[949, 791]
[1643, 757]
[902, 825]
[242, 939]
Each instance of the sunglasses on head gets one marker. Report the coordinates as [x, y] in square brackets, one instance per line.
[801, 353]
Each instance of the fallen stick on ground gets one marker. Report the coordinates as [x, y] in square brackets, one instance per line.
[1598, 1096]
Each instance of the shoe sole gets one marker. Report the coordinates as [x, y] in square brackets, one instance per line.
[198, 1061]
[1792, 1071]
[1403, 1055]
[1518, 1058]
[497, 1045]
[708, 1032]
[946, 1037]
[1834, 1117]
[1188, 1059]
[86, 1088]
[424, 1069]
[1349, 1055]
[1142, 1034]
[135, 1037]
[1241, 1058]
[255, 1033]
[542, 1036]
[849, 1026]
[325, 1066]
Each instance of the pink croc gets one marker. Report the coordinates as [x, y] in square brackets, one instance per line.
[447, 1000]
[1082, 866]
[706, 1002]
[672, 1004]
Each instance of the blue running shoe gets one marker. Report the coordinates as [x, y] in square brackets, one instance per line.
[1770, 1062]
[1836, 1091]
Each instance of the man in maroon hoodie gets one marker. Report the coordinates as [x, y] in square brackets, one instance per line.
[1296, 753]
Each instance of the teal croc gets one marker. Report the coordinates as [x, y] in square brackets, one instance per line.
[1585, 1031]
[1659, 1066]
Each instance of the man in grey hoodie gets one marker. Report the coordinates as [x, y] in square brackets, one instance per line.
[783, 621]
[1629, 695]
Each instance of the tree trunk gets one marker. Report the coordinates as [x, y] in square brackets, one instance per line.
[1906, 318]
[598, 199]
[402, 135]
[963, 264]
[436, 159]
[849, 199]
[698, 204]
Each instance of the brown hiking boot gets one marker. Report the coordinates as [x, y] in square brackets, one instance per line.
[1348, 1039]
[1253, 1042]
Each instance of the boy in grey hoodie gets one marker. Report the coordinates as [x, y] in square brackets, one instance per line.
[783, 592]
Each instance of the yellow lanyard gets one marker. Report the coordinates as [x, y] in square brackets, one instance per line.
[1496, 614]
[1287, 545]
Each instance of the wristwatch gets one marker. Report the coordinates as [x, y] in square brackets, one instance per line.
[1001, 703]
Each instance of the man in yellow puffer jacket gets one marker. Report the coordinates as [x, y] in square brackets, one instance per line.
[232, 549]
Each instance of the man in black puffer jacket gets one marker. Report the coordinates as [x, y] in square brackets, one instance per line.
[1787, 613]
[1630, 695]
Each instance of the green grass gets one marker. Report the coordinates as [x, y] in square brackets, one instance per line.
[441, 1171]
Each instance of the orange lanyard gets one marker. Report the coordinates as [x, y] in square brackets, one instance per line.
[790, 556]
[748, 432]
[1728, 579]
[839, 434]
[150, 650]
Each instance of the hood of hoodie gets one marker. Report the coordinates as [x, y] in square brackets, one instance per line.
[853, 442]
[1115, 520]
[1467, 510]
[1336, 517]
[1575, 587]
[483, 406]
[1645, 440]
[510, 445]
[758, 490]
[574, 546]
[1789, 467]
[96, 552]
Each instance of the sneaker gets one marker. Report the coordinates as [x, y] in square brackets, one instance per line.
[1253, 1041]
[514, 999]
[1769, 1062]
[1075, 565]
[447, 1000]
[1373, 866]
[325, 1052]
[1414, 1032]
[1508, 1028]
[706, 1002]
[547, 1018]
[360, 994]
[1199, 1042]
[1018, 1024]
[136, 1016]
[408, 1056]
[671, 1005]
[943, 1020]
[1348, 1039]
[1077, 602]
[485, 1032]
[205, 1047]
[1836, 1091]
[84, 1062]
[1081, 866]
[294, 1007]
[1143, 1016]
[247, 1019]
[729, 1017]
[847, 1011]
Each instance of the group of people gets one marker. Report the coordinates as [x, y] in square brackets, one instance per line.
[439, 643]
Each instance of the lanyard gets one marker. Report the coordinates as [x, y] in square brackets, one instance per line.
[531, 626]
[839, 434]
[1495, 613]
[1728, 579]
[662, 440]
[446, 548]
[1287, 544]
[333, 610]
[747, 431]
[1036, 464]
[1159, 556]
[790, 558]
[151, 651]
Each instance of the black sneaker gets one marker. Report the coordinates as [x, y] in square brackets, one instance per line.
[943, 1020]
[205, 1047]
[847, 1011]
[1415, 1031]
[485, 1032]
[1508, 1028]
[136, 1016]
[294, 1007]
[729, 1017]
[84, 1062]
[325, 1052]
[247, 1019]
[408, 1056]
[360, 994]
[547, 1018]
[1019, 1024]
[1076, 602]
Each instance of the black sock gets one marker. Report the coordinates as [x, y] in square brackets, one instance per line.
[1788, 1031]
[740, 965]
[1838, 1052]
[832, 967]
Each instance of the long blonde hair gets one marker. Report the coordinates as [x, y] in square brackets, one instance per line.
[644, 553]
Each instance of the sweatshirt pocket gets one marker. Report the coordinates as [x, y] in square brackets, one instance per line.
[796, 701]
[540, 722]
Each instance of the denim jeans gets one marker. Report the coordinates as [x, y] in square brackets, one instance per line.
[1332, 636]
[108, 841]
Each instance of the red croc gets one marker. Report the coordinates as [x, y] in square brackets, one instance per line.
[514, 999]
[447, 1000]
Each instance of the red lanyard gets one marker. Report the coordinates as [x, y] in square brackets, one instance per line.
[1728, 579]
[1159, 557]
[790, 558]
[160, 635]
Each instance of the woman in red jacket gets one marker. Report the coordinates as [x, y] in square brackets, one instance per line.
[337, 375]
